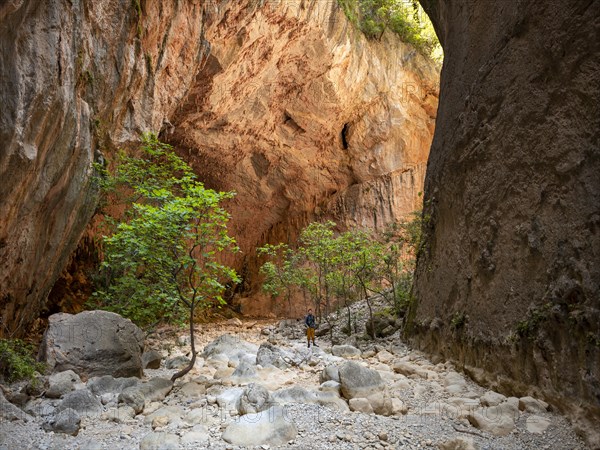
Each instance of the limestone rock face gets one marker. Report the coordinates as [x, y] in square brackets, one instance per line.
[512, 199]
[77, 78]
[305, 119]
[284, 102]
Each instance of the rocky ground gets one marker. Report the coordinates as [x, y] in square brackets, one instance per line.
[257, 384]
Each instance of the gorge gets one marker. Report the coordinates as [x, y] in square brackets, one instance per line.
[288, 104]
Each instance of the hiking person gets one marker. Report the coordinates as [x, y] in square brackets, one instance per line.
[310, 327]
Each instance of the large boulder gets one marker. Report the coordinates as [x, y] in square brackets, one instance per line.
[62, 383]
[271, 427]
[358, 381]
[93, 343]
[229, 349]
[66, 421]
[81, 401]
[301, 395]
[136, 396]
[345, 351]
[110, 385]
[254, 399]
[269, 355]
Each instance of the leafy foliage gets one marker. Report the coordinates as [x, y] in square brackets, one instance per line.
[281, 272]
[405, 18]
[337, 269]
[162, 258]
[17, 361]
[162, 262]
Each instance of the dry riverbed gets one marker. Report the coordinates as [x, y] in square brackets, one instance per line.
[257, 384]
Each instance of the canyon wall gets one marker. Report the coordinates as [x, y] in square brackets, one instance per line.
[507, 283]
[78, 78]
[306, 120]
[284, 102]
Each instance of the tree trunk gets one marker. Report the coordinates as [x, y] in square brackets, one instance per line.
[367, 298]
[190, 366]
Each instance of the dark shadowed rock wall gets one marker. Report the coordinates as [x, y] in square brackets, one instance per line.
[508, 279]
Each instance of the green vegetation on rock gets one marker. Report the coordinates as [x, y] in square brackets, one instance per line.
[405, 18]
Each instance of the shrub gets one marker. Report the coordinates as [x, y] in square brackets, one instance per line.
[407, 19]
[17, 361]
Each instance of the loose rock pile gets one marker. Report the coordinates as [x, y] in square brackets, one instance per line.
[256, 386]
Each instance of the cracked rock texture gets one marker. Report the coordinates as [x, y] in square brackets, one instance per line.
[508, 277]
[305, 119]
[284, 102]
[77, 77]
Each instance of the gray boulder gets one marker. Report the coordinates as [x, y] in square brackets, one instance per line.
[9, 412]
[160, 441]
[82, 401]
[358, 381]
[230, 347]
[152, 390]
[245, 372]
[298, 394]
[177, 363]
[270, 355]
[330, 372]
[345, 351]
[93, 343]
[66, 421]
[133, 397]
[110, 385]
[271, 427]
[119, 415]
[156, 389]
[254, 399]
[62, 383]
[151, 359]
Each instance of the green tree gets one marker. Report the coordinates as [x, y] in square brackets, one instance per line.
[318, 251]
[282, 271]
[163, 259]
[345, 284]
[401, 242]
[367, 257]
